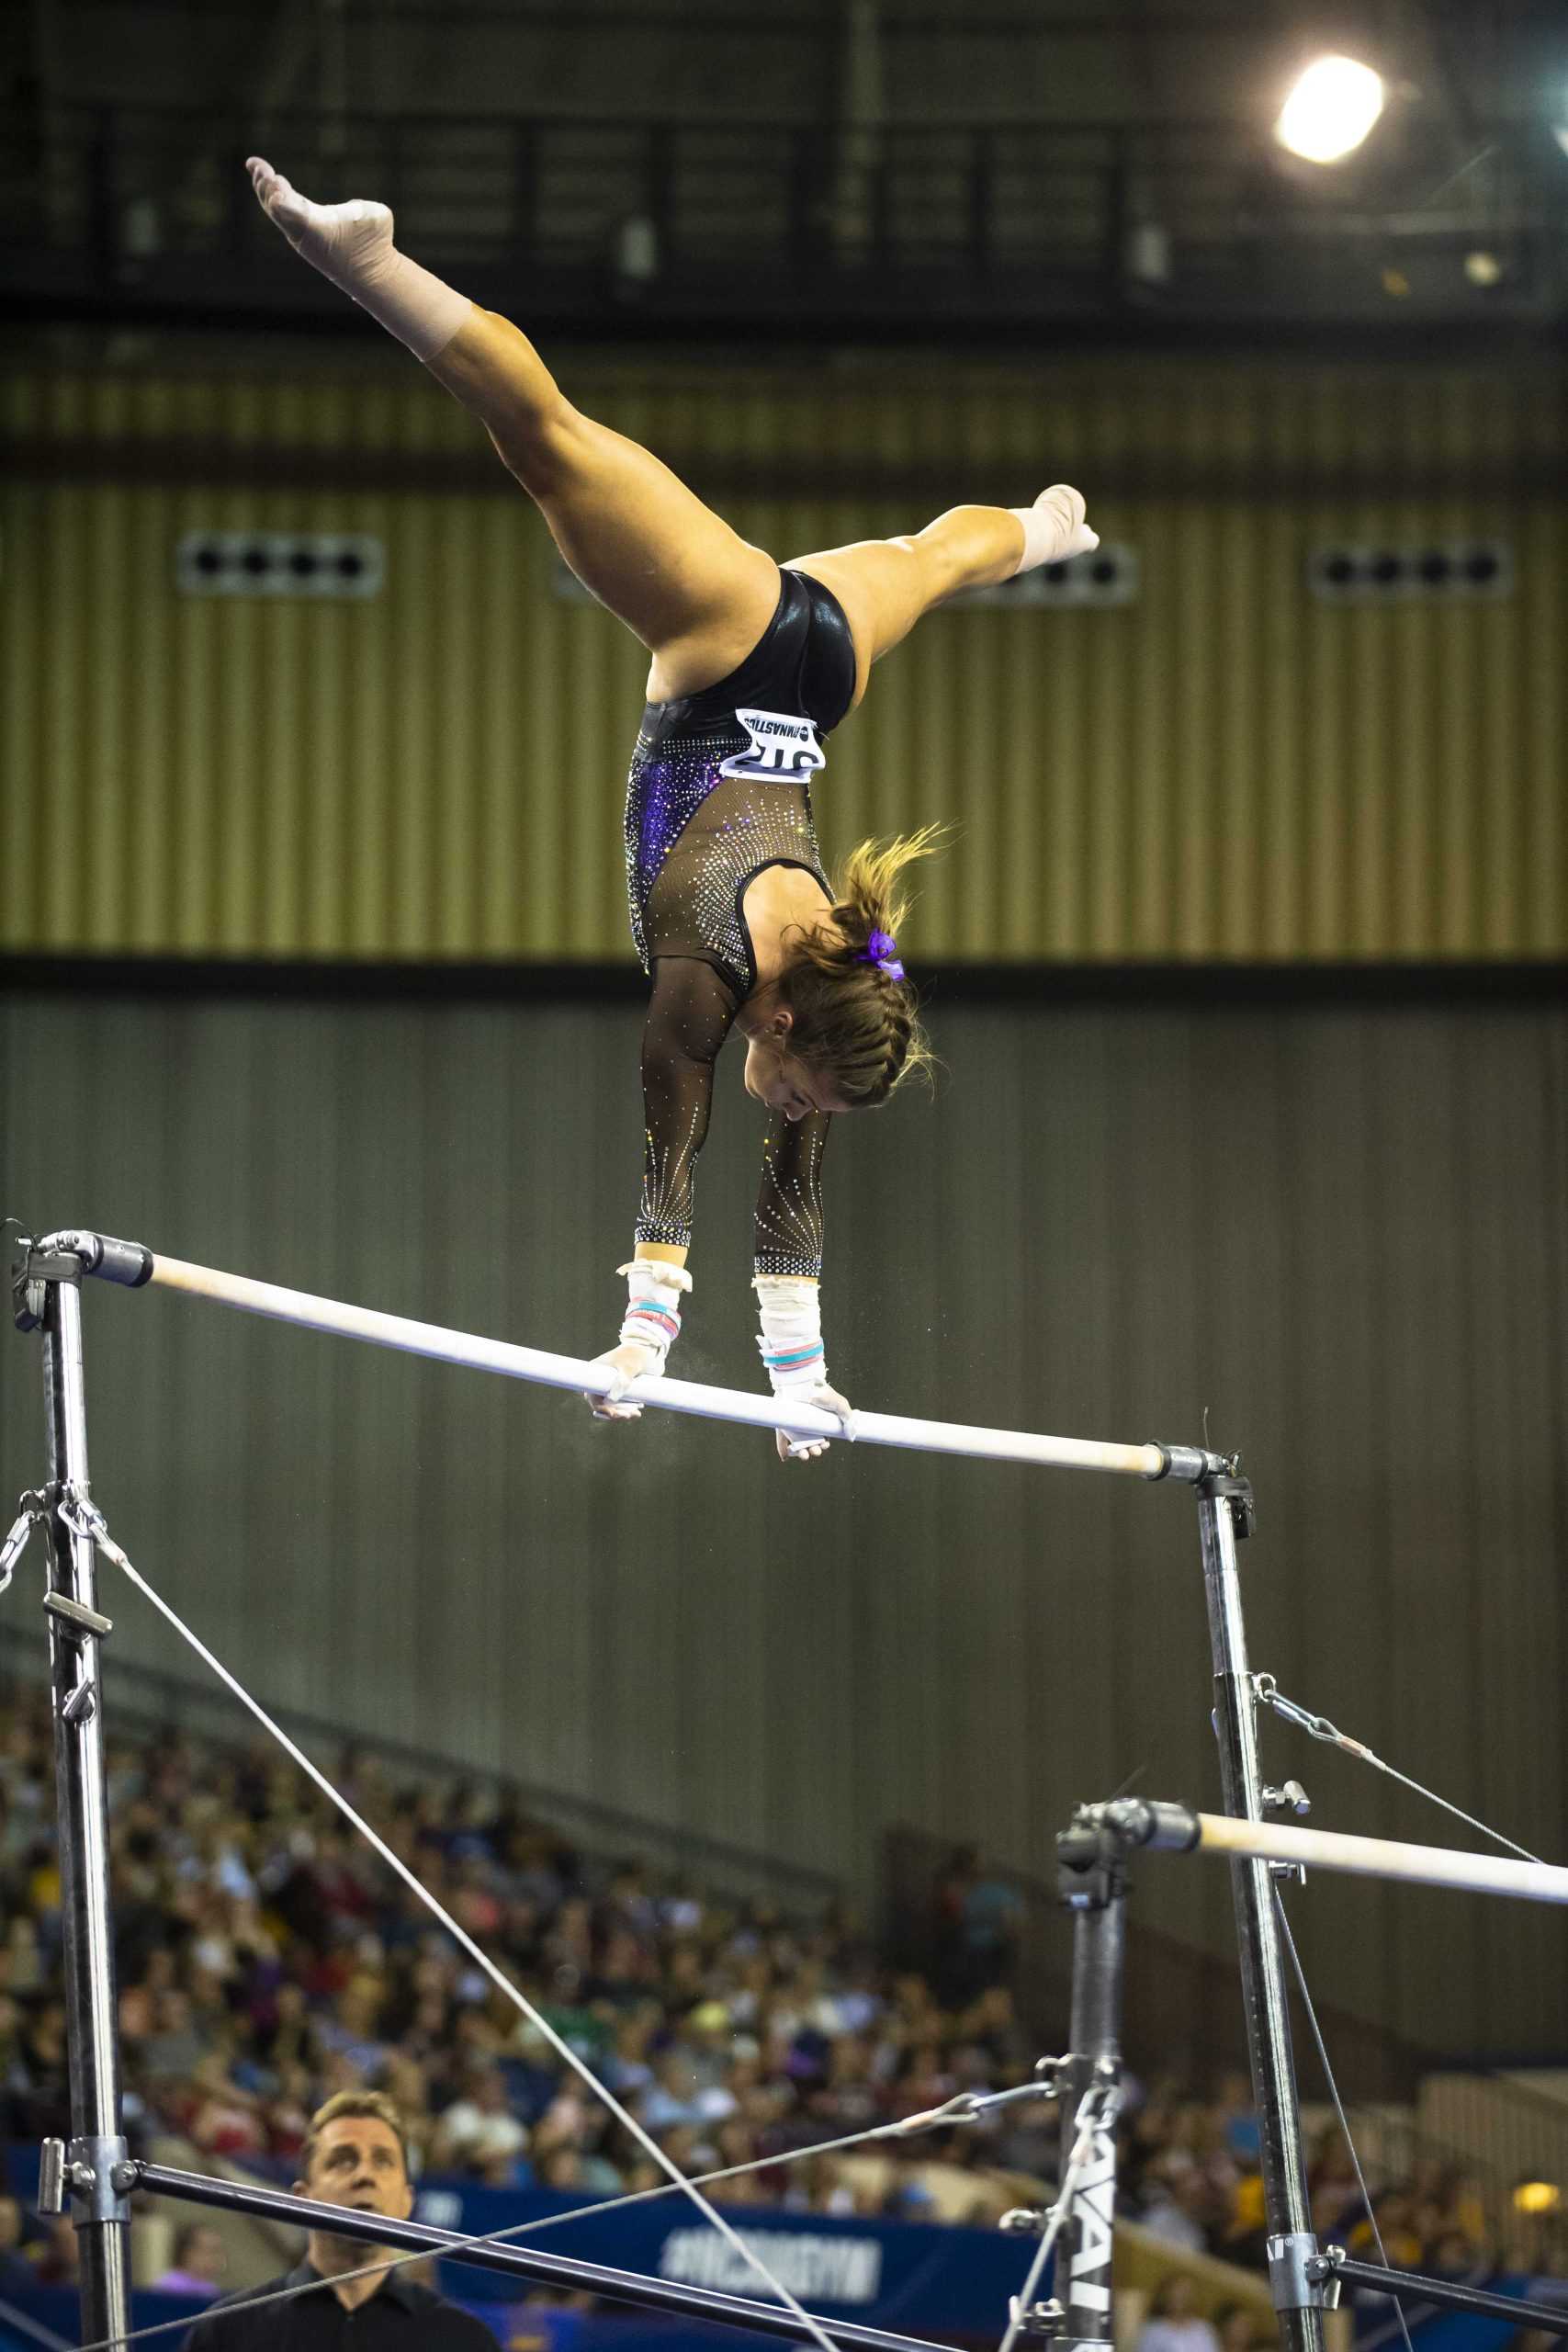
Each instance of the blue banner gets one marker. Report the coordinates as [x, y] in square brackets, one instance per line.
[917, 2277]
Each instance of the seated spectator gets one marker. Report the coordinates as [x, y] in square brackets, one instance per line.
[58, 2262]
[1332, 2185]
[1236, 2121]
[1395, 2213]
[351, 2031]
[1173, 2324]
[200, 2263]
[1242, 2329]
[16, 2272]
[479, 2131]
[175, 2048]
[1174, 2205]
[1243, 2237]
[676, 2096]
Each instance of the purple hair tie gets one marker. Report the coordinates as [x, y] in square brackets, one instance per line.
[882, 949]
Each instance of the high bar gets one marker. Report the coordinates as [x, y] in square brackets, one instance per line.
[1138, 1821]
[133, 1264]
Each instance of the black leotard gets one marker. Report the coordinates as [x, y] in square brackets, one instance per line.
[719, 790]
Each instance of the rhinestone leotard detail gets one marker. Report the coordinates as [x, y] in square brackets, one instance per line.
[696, 834]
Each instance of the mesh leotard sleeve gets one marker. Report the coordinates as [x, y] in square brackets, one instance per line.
[710, 803]
[789, 1200]
[689, 1016]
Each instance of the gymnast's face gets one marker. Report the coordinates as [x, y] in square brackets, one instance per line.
[778, 1078]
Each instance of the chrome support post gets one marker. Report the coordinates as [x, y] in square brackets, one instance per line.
[1097, 1895]
[1224, 1515]
[98, 2171]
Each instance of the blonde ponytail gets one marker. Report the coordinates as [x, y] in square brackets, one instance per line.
[856, 1013]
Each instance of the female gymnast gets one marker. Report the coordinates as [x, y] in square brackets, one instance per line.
[751, 664]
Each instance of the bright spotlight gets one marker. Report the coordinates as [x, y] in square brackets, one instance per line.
[1330, 111]
[1560, 132]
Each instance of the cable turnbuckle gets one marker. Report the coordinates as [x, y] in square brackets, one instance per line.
[32, 1511]
[82, 1517]
[1315, 1726]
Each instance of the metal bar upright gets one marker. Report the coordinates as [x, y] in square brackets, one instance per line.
[97, 2150]
[1099, 1901]
[1224, 1505]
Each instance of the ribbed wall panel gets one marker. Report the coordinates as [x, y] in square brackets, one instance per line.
[1339, 1227]
[1225, 769]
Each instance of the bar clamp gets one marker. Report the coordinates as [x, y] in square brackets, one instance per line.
[1091, 1861]
[35, 1266]
[1301, 2277]
[1234, 1493]
[65, 1258]
[98, 2171]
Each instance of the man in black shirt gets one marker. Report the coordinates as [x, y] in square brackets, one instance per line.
[355, 2154]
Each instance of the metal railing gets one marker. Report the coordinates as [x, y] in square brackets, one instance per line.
[790, 218]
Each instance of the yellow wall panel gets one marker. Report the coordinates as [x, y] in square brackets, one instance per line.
[1225, 769]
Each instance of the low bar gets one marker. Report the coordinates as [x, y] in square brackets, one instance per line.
[1386, 1858]
[131, 1263]
[524, 2262]
[1177, 1828]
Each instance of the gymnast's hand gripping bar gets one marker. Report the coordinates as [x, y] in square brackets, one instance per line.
[1176, 1829]
[130, 1263]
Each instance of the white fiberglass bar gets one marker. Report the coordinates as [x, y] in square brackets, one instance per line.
[672, 1396]
[1329, 1849]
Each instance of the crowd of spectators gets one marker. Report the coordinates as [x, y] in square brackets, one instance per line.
[266, 1960]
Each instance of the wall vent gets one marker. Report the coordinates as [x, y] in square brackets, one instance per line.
[1441, 570]
[279, 563]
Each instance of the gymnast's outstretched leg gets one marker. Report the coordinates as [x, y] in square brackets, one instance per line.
[886, 585]
[695, 592]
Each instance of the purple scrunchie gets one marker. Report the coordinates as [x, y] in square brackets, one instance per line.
[882, 949]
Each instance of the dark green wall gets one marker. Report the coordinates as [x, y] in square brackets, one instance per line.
[1340, 1228]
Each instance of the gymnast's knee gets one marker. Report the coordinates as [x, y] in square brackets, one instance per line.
[539, 443]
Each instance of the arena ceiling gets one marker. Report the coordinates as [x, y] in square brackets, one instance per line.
[874, 162]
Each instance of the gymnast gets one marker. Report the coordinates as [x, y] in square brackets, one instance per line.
[752, 663]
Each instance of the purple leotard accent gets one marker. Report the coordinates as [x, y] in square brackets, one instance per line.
[696, 838]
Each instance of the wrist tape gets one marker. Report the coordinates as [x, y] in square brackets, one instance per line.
[654, 1290]
[791, 1341]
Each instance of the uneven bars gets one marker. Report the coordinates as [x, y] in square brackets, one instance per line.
[1139, 1821]
[133, 1264]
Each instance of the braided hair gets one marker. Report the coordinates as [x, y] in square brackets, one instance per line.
[855, 1022]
